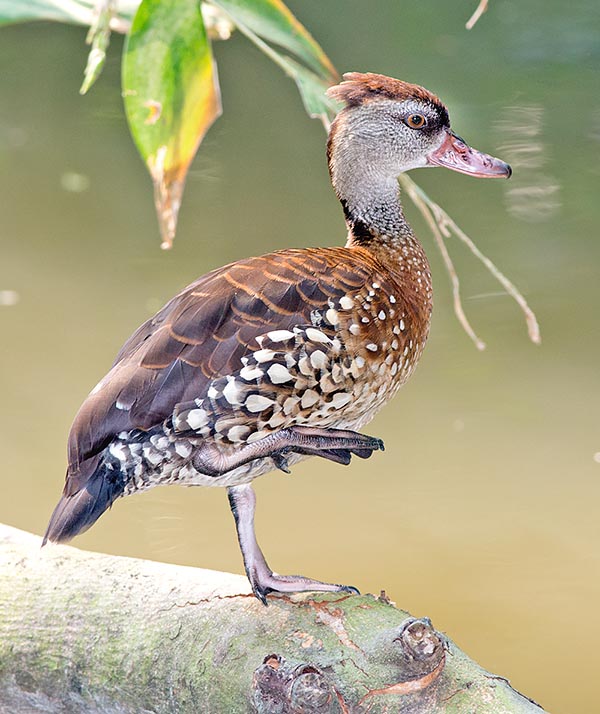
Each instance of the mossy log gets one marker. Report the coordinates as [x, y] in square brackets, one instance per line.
[85, 632]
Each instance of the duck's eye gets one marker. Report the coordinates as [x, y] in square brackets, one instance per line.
[416, 121]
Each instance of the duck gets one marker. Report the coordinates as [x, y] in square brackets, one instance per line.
[270, 360]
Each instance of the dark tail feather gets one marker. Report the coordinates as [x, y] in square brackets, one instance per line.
[76, 513]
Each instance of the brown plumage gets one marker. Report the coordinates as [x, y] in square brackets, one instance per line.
[359, 87]
[273, 359]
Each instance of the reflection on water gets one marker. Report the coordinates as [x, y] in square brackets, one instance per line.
[8, 298]
[483, 511]
[533, 194]
[74, 182]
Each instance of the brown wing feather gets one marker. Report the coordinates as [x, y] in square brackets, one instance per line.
[202, 334]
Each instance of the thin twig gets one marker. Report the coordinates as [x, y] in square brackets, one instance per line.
[481, 8]
[445, 227]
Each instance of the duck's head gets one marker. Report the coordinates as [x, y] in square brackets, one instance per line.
[388, 126]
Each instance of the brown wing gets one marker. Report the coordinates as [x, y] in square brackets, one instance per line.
[202, 334]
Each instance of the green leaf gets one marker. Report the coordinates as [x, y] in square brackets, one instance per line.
[171, 95]
[311, 86]
[99, 38]
[312, 90]
[273, 21]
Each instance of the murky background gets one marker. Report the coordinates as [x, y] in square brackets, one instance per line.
[483, 511]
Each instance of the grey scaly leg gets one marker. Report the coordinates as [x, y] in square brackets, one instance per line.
[334, 444]
[263, 580]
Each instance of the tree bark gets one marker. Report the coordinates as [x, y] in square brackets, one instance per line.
[85, 632]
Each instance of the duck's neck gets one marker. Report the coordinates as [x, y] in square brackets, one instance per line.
[370, 196]
[366, 185]
[372, 208]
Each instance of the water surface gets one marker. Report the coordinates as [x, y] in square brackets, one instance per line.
[483, 511]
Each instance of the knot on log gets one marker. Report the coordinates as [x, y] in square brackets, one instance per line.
[417, 652]
[415, 648]
[284, 687]
[421, 642]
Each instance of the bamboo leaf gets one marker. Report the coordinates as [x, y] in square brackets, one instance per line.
[273, 21]
[311, 86]
[77, 12]
[171, 95]
[99, 38]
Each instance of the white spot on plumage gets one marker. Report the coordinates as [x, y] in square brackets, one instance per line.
[231, 392]
[197, 418]
[160, 442]
[118, 451]
[290, 405]
[332, 316]
[340, 399]
[258, 403]
[264, 355]
[365, 320]
[182, 448]
[278, 374]
[153, 456]
[318, 359]
[212, 392]
[337, 374]
[257, 435]
[346, 302]
[309, 398]
[396, 330]
[276, 420]
[381, 315]
[280, 335]
[392, 299]
[316, 335]
[354, 329]
[304, 366]
[394, 344]
[376, 286]
[238, 432]
[359, 361]
[251, 372]
[402, 325]
[122, 406]
[372, 347]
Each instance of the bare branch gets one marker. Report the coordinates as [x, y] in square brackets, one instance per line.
[445, 227]
[481, 8]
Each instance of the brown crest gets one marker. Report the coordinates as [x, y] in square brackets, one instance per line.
[359, 87]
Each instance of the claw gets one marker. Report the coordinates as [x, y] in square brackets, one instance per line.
[281, 462]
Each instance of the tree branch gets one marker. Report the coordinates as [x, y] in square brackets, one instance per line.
[84, 632]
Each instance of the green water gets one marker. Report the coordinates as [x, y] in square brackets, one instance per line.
[483, 511]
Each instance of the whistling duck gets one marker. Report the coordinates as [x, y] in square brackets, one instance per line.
[266, 361]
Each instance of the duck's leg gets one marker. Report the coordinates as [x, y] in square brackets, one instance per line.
[334, 444]
[337, 445]
[263, 580]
